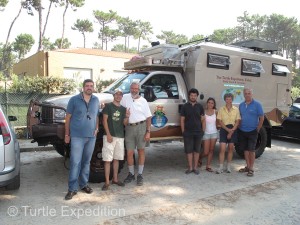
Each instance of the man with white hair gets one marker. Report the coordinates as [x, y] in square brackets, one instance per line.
[252, 118]
[137, 132]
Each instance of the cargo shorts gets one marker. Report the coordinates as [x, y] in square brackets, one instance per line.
[134, 136]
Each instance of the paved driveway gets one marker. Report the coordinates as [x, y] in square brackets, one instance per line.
[168, 196]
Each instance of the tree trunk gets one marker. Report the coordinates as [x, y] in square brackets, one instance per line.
[128, 44]
[102, 38]
[83, 39]
[40, 26]
[139, 43]
[125, 44]
[47, 17]
[63, 30]
[11, 25]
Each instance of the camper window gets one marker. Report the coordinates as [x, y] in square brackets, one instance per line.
[252, 68]
[218, 61]
[279, 70]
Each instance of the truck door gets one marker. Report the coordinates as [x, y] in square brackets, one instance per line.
[164, 102]
[282, 95]
[32, 116]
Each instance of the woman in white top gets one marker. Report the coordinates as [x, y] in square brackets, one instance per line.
[211, 133]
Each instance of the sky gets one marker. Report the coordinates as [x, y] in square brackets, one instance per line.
[188, 17]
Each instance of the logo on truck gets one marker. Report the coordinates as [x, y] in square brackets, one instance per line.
[159, 119]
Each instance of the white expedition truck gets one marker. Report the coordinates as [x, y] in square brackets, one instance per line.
[166, 73]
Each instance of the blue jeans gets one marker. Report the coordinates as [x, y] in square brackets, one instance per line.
[81, 154]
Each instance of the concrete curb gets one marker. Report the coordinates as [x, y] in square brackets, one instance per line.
[27, 146]
[37, 149]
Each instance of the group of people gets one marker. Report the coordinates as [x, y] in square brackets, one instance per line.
[200, 127]
[130, 111]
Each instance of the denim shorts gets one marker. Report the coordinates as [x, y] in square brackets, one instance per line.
[210, 136]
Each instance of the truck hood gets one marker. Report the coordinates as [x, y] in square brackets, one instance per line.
[62, 101]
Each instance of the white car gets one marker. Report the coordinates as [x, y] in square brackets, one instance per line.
[9, 154]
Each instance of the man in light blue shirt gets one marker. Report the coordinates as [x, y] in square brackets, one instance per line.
[81, 129]
[252, 118]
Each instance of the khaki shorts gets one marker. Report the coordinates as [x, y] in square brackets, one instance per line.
[134, 136]
[113, 150]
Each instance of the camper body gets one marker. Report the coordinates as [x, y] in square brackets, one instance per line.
[166, 73]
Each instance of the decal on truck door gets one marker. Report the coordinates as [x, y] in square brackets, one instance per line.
[159, 119]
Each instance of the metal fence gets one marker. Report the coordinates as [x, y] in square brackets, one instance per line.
[16, 104]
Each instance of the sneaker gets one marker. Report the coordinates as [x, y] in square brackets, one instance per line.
[139, 180]
[228, 170]
[129, 178]
[70, 195]
[87, 189]
[219, 171]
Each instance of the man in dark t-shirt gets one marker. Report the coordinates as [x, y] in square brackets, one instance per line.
[115, 117]
[192, 127]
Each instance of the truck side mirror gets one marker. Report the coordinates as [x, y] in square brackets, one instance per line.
[149, 94]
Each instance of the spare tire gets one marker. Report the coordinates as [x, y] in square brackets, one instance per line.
[260, 144]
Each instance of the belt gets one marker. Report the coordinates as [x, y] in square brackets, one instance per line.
[137, 123]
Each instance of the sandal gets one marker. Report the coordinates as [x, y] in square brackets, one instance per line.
[188, 171]
[250, 173]
[243, 170]
[197, 172]
[119, 183]
[209, 169]
[199, 163]
[105, 187]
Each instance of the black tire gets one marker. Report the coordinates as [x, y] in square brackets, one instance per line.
[260, 144]
[15, 184]
[97, 177]
[60, 148]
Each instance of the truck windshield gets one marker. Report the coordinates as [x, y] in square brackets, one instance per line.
[124, 82]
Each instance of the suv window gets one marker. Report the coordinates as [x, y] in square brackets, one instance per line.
[297, 100]
[164, 86]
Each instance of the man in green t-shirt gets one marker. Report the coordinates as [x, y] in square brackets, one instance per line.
[115, 117]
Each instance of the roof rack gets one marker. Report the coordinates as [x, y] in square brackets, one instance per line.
[258, 45]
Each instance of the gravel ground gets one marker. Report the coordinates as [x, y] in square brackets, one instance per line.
[168, 196]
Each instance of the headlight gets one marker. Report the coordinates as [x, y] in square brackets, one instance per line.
[59, 114]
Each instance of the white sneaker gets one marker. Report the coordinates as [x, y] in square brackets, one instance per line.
[219, 171]
[228, 170]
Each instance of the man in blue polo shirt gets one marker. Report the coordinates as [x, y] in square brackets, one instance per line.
[81, 128]
[252, 118]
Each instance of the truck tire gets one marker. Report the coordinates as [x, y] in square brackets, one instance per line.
[260, 144]
[15, 184]
[60, 149]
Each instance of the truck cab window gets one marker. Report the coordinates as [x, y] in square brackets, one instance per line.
[164, 86]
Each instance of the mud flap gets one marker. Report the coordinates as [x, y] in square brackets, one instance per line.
[33, 116]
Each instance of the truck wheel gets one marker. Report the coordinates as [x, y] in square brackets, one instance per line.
[15, 184]
[260, 144]
[60, 149]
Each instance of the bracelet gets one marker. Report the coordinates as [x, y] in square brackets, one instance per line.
[67, 135]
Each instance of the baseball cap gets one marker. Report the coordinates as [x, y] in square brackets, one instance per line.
[118, 90]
